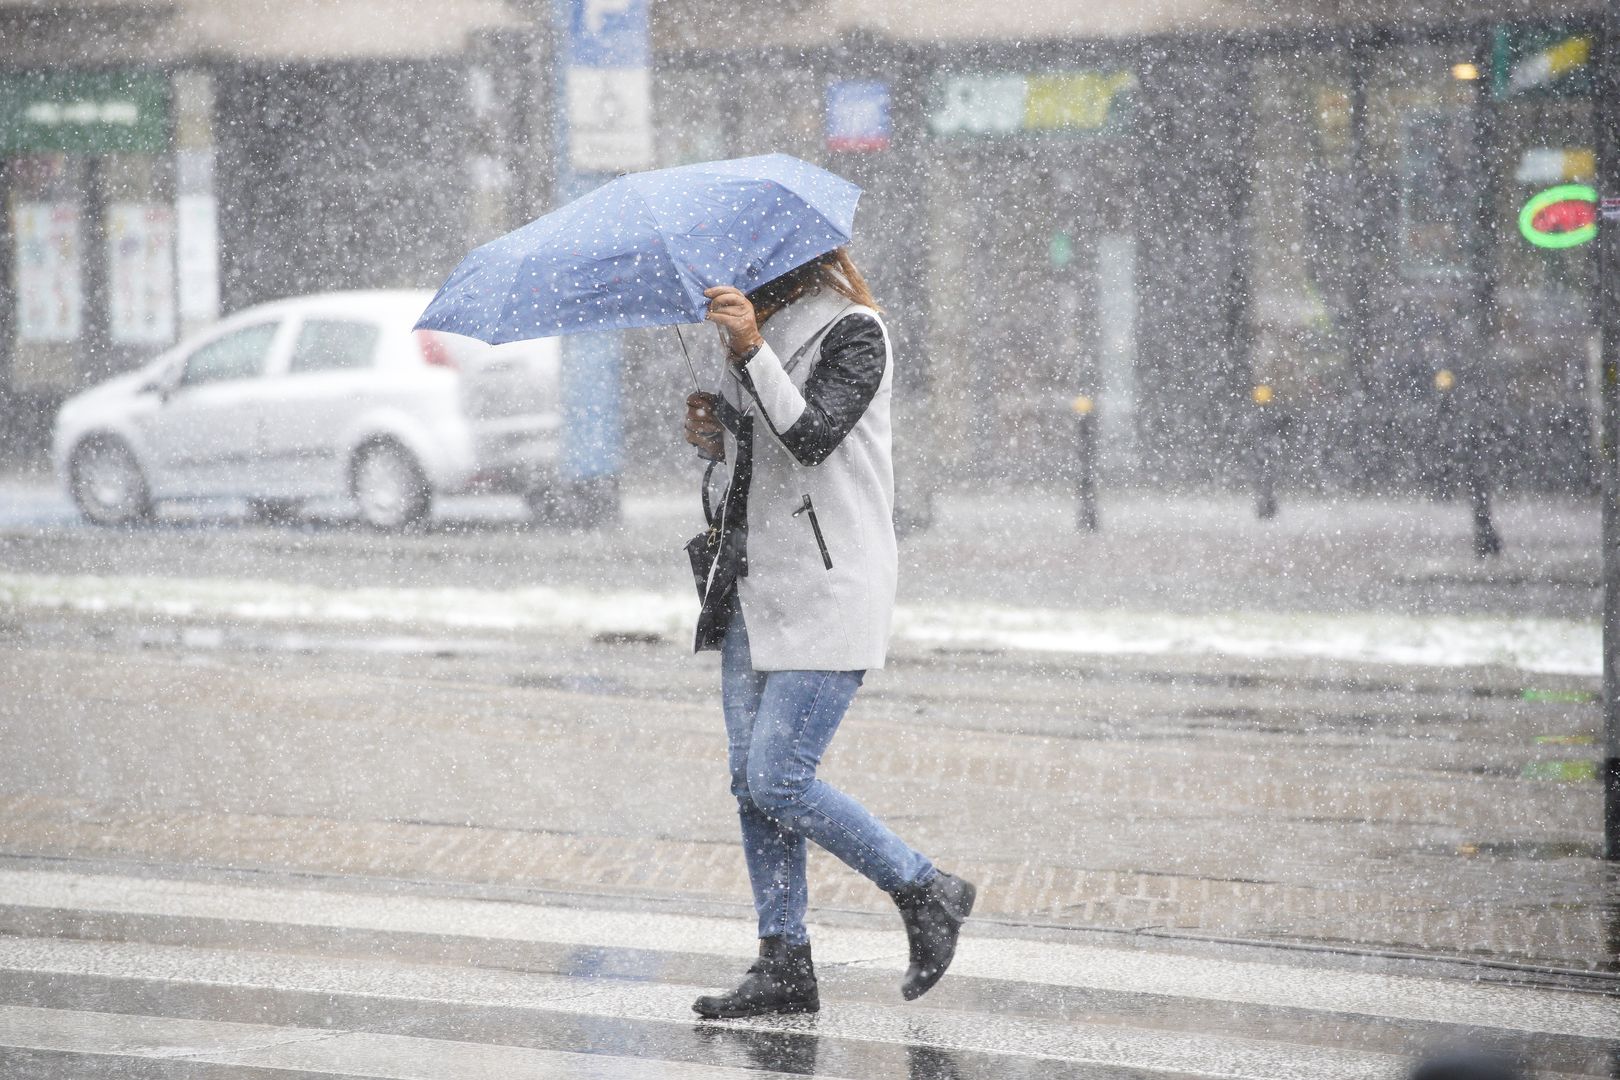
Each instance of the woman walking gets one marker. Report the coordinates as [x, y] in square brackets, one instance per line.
[799, 606]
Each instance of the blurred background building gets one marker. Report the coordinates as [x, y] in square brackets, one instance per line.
[1221, 222]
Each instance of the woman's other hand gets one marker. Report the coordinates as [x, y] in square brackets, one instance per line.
[703, 425]
[731, 310]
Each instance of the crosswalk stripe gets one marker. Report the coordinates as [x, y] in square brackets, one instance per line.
[326, 1051]
[1404, 997]
[1199, 1054]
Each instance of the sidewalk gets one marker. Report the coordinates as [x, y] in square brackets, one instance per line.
[1189, 553]
[1161, 552]
[1353, 580]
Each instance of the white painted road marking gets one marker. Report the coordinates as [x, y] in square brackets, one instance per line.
[1403, 997]
[319, 1050]
[1199, 1054]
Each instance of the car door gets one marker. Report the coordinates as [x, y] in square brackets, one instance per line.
[204, 437]
[329, 378]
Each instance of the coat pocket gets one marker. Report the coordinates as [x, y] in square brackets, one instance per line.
[809, 508]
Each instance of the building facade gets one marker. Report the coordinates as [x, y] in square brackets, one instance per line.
[163, 164]
[1298, 237]
[1228, 228]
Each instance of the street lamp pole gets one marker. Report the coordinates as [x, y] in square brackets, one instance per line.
[1606, 104]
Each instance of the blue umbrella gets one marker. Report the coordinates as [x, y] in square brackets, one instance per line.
[640, 250]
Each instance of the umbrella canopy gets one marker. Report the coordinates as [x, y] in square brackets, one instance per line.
[640, 250]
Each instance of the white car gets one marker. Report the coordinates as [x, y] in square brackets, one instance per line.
[312, 398]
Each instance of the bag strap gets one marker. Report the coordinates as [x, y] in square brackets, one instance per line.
[708, 507]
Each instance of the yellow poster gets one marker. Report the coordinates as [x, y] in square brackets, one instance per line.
[1081, 100]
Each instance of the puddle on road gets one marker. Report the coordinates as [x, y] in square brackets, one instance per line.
[214, 638]
[1500, 772]
[1521, 850]
[596, 685]
[627, 637]
[1278, 721]
[1562, 772]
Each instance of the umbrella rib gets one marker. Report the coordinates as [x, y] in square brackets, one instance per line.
[690, 367]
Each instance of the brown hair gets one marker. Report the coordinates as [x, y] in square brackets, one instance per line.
[835, 270]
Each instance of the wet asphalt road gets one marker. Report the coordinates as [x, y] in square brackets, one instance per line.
[230, 829]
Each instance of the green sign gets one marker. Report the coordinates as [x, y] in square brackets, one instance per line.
[1560, 217]
[84, 113]
[1061, 249]
[1546, 60]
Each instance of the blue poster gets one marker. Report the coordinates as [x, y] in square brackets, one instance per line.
[858, 115]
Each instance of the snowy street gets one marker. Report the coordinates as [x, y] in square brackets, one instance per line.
[1195, 846]
[899, 540]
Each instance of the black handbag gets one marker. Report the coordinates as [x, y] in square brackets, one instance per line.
[719, 554]
[704, 548]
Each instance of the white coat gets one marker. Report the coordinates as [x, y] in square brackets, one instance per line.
[800, 614]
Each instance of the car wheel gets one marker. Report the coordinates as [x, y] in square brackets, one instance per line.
[274, 511]
[390, 488]
[107, 483]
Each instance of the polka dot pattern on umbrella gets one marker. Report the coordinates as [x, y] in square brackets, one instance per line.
[641, 249]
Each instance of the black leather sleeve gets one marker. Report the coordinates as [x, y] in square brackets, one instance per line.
[839, 388]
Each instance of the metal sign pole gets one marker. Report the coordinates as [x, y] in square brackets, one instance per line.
[601, 111]
[1606, 105]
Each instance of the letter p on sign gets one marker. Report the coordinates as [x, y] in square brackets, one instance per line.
[597, 13]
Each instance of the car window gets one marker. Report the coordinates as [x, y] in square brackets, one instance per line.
[238, 355]
[334, 345]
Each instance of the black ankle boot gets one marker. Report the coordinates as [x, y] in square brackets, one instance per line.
[782, 980]
[933, 915]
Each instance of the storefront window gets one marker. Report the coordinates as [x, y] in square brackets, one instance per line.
[1423, 179]
[1438, 191]
[1301, 225]
[89, 192]
[1421, 147]
[45, 215]
[1030, 199]
[1420, 221]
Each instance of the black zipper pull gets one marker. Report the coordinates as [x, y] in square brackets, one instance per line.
[806, 507]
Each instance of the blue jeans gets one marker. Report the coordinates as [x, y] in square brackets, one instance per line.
[778, 724]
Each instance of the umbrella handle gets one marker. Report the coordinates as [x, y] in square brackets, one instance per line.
[697, 388]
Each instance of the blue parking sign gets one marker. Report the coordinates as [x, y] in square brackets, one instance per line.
[858, 115]
[609, 34]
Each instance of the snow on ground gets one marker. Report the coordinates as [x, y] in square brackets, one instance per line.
[1565, 646]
